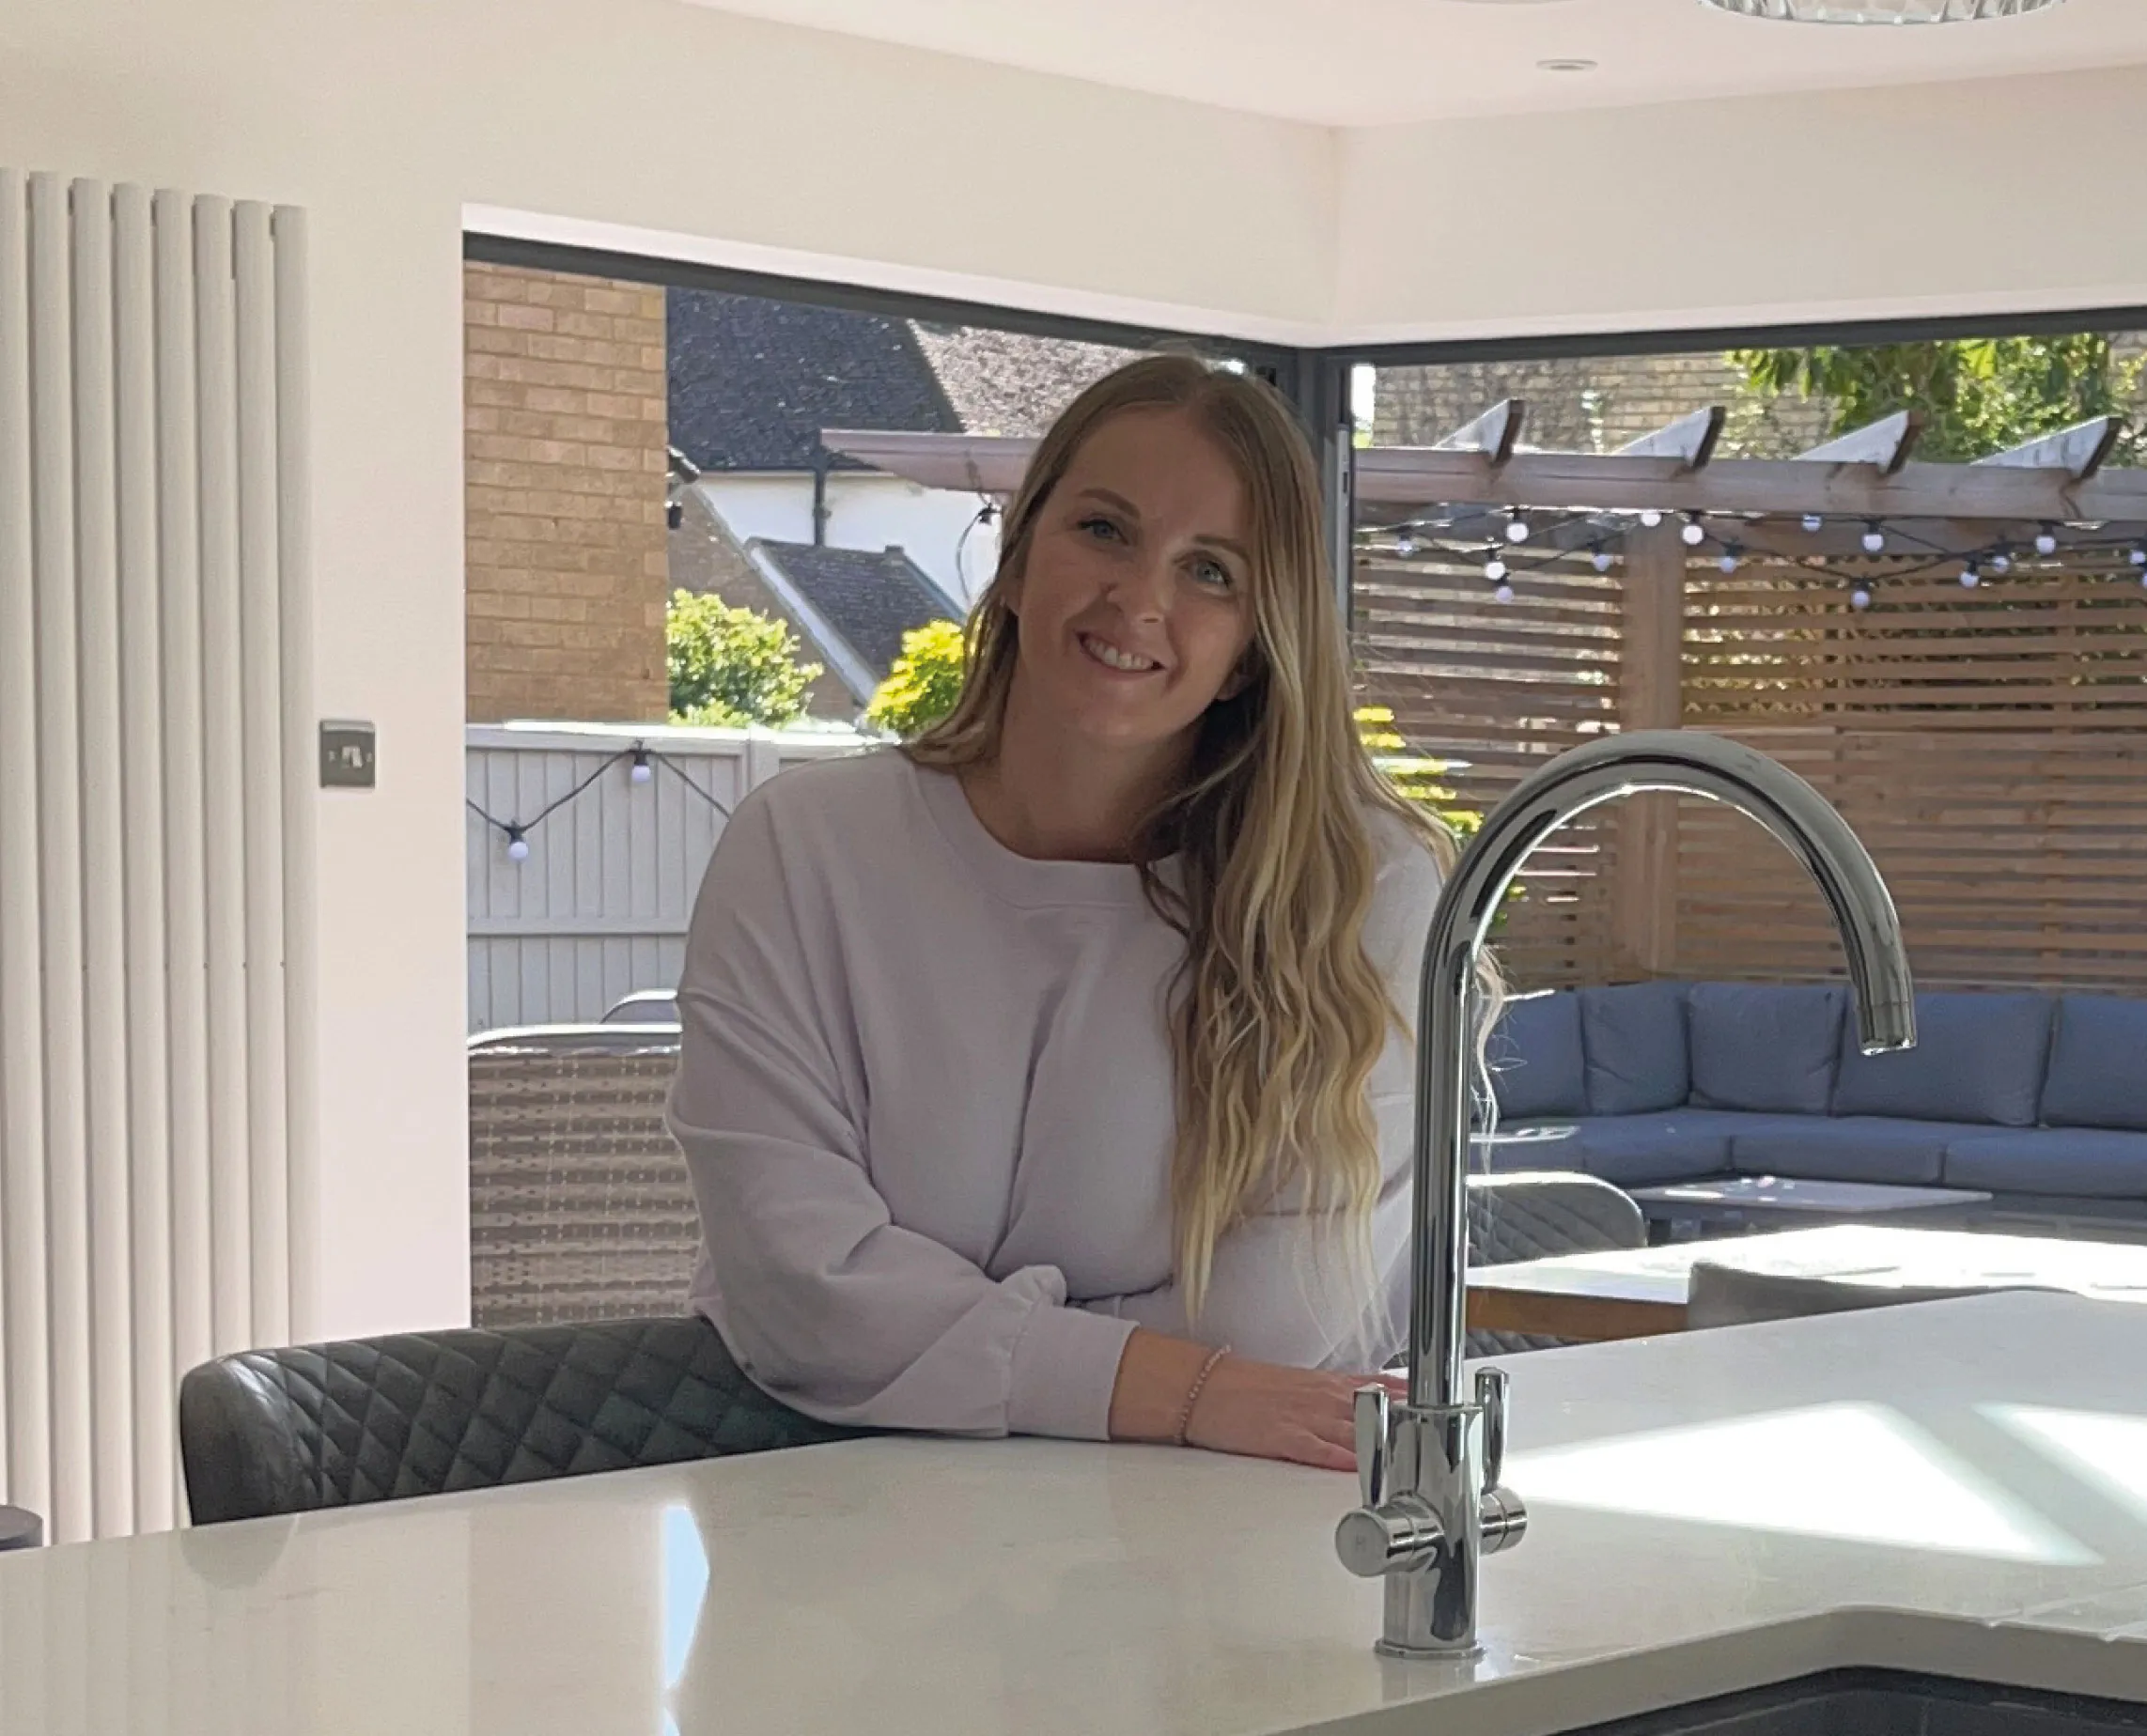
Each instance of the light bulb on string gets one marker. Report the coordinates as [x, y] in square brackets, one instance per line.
[1504, 593]
[2000, 562]
[1651, 517]
[1873, 538]
[1860, 598]
[642, 770]
[1404, 544]
[1731, 557]
[2138, 557]
[1694, 532]
[1812, 521]
[2047, 540]
[1970, 577]
[518, 846]
[1495, 569]
[1602, 560]
[1517, 529]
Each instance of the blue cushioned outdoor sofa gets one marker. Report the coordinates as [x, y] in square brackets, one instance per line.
[2039, 1100]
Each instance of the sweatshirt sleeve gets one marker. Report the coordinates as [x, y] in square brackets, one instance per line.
[828, 1305]
[1274, 1295]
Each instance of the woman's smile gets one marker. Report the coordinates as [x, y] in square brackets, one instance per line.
[1119, 662]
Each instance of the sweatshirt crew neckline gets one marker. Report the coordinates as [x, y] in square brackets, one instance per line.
[1017, 879]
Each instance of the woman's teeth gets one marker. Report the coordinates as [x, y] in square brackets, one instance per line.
[1114, 659]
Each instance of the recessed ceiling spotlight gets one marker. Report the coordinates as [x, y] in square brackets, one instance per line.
[1881, 11]
[1563, 64]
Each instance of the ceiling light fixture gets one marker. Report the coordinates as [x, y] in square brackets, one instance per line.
[1565, 64]
[1881, 11]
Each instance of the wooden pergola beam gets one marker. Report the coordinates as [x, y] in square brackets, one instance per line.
[1886, 442]
[982, 463]
[1493, 433]
[2079, 451]
[1414, 477]
[1394, 480]
[1689, 440]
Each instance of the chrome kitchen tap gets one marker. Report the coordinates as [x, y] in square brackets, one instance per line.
[1428, 1468]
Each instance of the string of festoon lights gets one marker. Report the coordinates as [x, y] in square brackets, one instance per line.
[641, 761]
[1519, 549]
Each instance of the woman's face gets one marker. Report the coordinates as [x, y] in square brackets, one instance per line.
[1135, 610]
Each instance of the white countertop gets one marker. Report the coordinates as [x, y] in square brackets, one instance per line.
[1959, 1487]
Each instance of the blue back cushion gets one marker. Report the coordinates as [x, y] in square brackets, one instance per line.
[1766, 1046]
[1535, 1057]
[1977, 1057]
[1634, 1041]
[2099, 1065]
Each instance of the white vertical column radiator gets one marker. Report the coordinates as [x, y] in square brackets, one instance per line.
[157, 1102]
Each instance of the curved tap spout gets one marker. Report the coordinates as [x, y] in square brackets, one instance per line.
[1429, 1467]
[1688, 762]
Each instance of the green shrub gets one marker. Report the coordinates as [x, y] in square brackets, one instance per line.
[925, 683]
[731, 667]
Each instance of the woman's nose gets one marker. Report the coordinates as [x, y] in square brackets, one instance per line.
[1145, 588]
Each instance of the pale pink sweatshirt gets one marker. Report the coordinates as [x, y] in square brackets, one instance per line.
[926, 1099]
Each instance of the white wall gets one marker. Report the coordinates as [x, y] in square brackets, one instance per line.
[1998, 196]
[865, 512]
[385, 120]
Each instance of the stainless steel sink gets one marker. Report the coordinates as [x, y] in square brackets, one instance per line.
[1886, 1703]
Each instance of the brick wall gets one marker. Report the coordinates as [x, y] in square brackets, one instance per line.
[705, 557]
[564, 463]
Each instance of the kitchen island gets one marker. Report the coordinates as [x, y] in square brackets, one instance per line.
[1958, 1488]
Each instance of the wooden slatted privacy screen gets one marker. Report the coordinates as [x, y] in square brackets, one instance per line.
[1504, 687]
[1989, 746]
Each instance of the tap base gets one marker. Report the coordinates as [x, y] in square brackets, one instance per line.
[1427, 1654]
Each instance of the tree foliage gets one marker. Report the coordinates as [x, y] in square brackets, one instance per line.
[924, 684]
[1977, 396]
[731, 667]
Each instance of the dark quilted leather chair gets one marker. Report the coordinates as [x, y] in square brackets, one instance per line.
[375, 1419]
[1531, 1217]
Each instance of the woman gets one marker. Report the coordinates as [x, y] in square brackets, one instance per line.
[1027, 1068]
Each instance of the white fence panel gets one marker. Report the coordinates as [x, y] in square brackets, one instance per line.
[599, 907]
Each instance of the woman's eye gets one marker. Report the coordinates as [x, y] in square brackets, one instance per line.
[1213, 573]
[1101, 529]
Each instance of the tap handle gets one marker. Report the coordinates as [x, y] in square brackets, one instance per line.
[1491, 1388]
[1372, 1407]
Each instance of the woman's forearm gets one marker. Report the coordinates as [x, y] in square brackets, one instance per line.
[1155, 1375]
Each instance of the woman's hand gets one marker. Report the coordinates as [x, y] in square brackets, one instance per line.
[1260, 1410]
[1263, 1411]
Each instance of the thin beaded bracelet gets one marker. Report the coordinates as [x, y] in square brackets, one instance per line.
[1192, 1393]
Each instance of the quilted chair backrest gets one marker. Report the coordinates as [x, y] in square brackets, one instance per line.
[1527, 1217]
[375, 1420]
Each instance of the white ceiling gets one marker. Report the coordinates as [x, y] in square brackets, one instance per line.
[1373, 62]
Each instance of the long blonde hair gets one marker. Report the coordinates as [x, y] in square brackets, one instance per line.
[1278, 1016]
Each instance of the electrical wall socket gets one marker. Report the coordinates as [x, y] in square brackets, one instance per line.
[347, 757]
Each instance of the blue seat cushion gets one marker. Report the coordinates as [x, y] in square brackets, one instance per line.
[1638, 1151]
[1846, 1148]
[1977, 1057]
[1634, 1040]
[1522, 1147]
[1535, 1053]
[2099, 1065]
[2083, 1162]
[1766, 1046]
